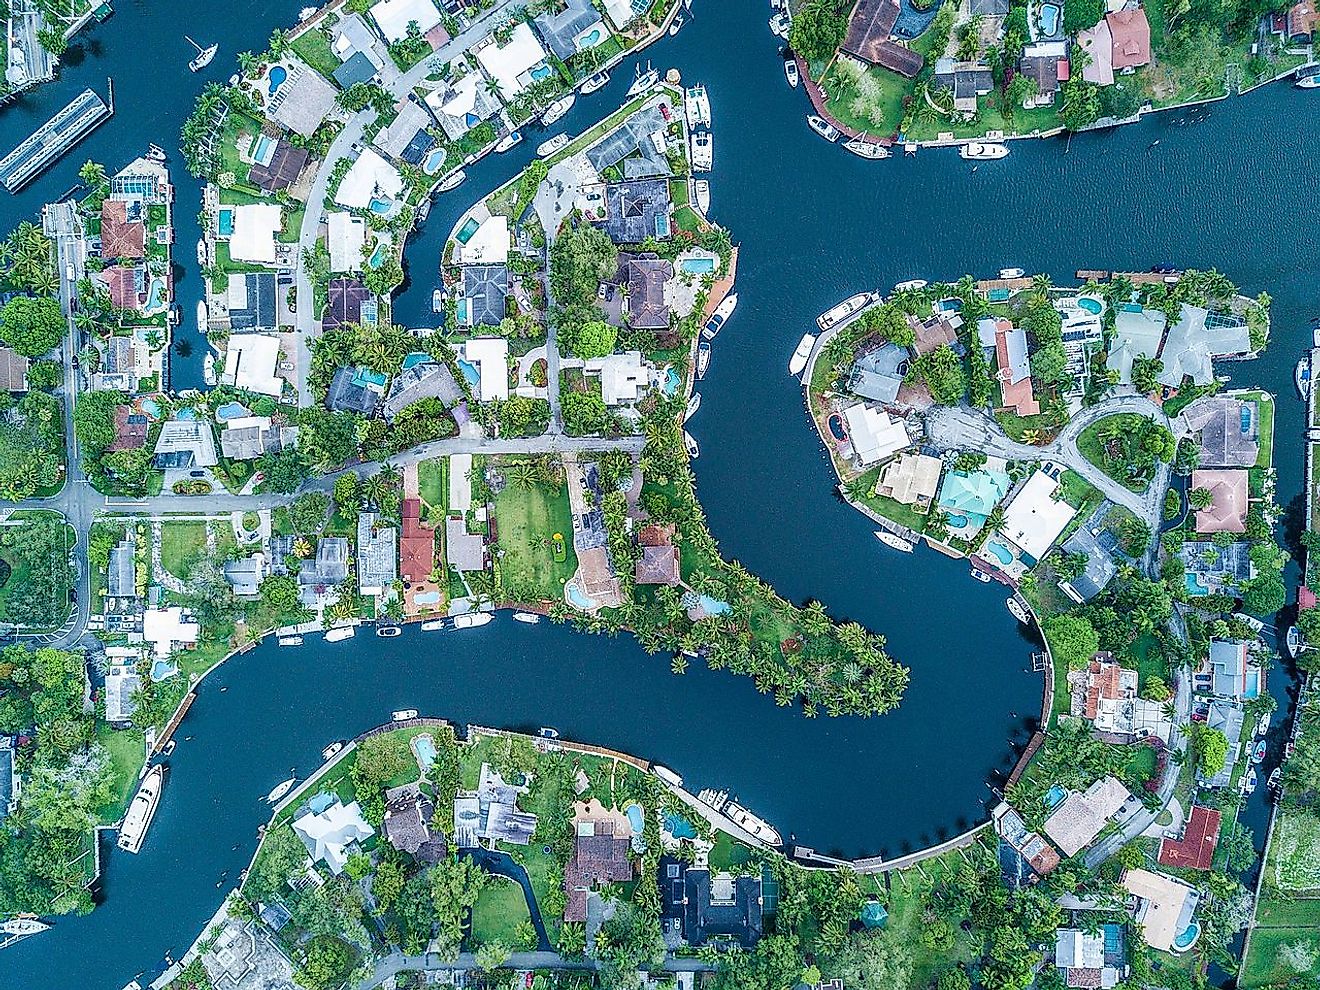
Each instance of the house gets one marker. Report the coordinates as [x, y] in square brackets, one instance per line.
[280, 167]
[704, 907]
[123, 232]
[250, 300]
[490, 356]
[303, 100]
[912, 479]
[1229, 493]
[1081, 957]
[9, 780]
[416, 544]
[121, 570]
[329, 566]
[1226, 716]
[407, 824]
[659, 561]
[637, 209]
[465, 552]
[167, 630]
[869, 29]
[352, 391]
[623, 377]
[934, 332]
[1301, 22]
[1232, 672]
[185, 443]
[1194, 848]
[394, 17]
[1046, 63]
[1214, 570]
[1098, 43]
[424, 380]
[124, 284]
[131, 429]
[252, 363]
[573, 29]
[1227, 430]
[1131, 36]
[1013, 369]
[1137, 333]
[244, 575]
[1195, 339]
[967, 81]
[460, 105]
[600, 855]
[484, 299]
[330, 833]
[878, 375]
[1029, 845]
[874, 435]
[121, 684]
[248, 437]
[645, 279]
[357, 68]
[970, 496]
[348, 301]
[398, 135]
[488, 244]
[1100, 567]
[1036, 517]
[491, 812]
[119, 357]
[346, 236]
[369, 179]
[512, 64]
[13, 370]
[641, 134]
[1082, 815]
[1164, 910]
[1105, 694]
[377, 555]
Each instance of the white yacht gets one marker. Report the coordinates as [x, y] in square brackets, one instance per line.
[701, 193]
[755, 825]
[703, 359]
[388, 632]
[204, 55]
[871, 150]
[893, 540]
[644, 82]
[548, 147]
[20, 926]
[849, 307]
[703, 151]
[690, 444]
[781, 24]
[595, 82]
[333, 750]
[281, 789]
[556, 111]
[531, 618]
[340, 634]
[1012, 272]
[403, 715]
[981, 151]
[453, 181]
[675, 27]
[1017, 611]
[823, 127]
[798, 362]
[696, 106]
[721, 315]
[435, 625]
[791, 72]
[141, 810]
[1309, 82]
[471, 620]
[508, 141]
[911, 285]
[693, 404]
[290, 641]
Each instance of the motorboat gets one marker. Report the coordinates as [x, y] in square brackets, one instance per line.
[557, 143]
[204, 55]
[531, 618]
[452, 181]
[911, 285]
[555, 111]
[333, 750]
[703, 359]
[403, 715]
[703, 151]
[980, 575]
[156, 153]
[1309, 82]
[1011, 272]
[1302, 376]
[894, 540]
[208, 369]
[290, 641]
[435, 625]
[281, 789]
[791, 72]
[701, 193]
[1263, 726]
[690, 444]
[722, 313]
[1255, 625]
[644, 82]
[1292, 639]
[678, 23]
[1258, 752]
[438, 301]
[866, 149]
[593, 83]
[21, 926]
[1275, 779]
[1018, 612]
[693, 404]
[201, 316]
[508, 141]
[823, 127]
[546, 732]
[975, 151]
[141, 810]
[696, 106]
[838, 313]
[340, 634]
[801, 353]
[781, 24]
[471, 620]
[388, 632]
[1249, 783]
[751, 823]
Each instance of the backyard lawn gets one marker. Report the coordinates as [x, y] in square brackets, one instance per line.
[528, 518]
[125, 748]
[180, 543]
[500, 909]
[312, 48]
[433, 483]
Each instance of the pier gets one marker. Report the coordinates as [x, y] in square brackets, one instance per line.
[44, 146]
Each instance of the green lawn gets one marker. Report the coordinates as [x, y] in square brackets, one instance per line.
[1033, 121]
[433, 483]
[727, 853]
[1263, 967]
[1265, 413]
[526, 516]
[1093, 450]
[877, 111]
[899, 512]
[180, 543]
[500, 909]
[126, 755]
[312, 48]
[1277, 912]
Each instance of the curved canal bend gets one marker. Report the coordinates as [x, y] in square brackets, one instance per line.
[1233, 186]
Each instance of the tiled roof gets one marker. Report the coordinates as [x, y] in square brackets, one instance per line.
[120, 237]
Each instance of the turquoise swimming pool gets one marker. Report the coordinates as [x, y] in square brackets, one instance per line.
[261, 151]
[999, 551]
[1091, 304]
[589, 40]
[423, 748]
[958, 521]
[672, 382]
[278, 74]
[576, 597]
[713, 606]
[636, 818]
[381, 206]
[1131, 307]
[679, 828]
[162, 669]
[998, 295]
[155, 296]
[541, 72]
[150, 407]
[466, 231]
[231, 410]
[698, 266]
[1054, 795]
[433, 161]
[1187, 936]
[224, 222]
[415, 358]
[470, 371]
[427, 598]
[1049, 19]
[377, 256]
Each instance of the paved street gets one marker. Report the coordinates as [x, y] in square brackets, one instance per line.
[397, 962]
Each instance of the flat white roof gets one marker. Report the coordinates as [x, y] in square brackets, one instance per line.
[491, 356]
[462, 99]
[874, 435]
[370, 176]
[250, 363]
[393, 17]
[489, 244]
[255, 227]
[508, 63]
[1034, 520]
[346, 236]
[164, 627]
[623, 377]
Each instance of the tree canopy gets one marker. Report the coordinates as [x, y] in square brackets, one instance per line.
[32, 325]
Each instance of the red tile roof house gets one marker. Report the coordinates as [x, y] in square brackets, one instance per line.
[119, 237]
[131, 429]
[1196, 849]
[1131, 33]
[599, 856]
[122, 284]
[1229, 493]
[1014, 371]
[1302, 21]
[416, 544]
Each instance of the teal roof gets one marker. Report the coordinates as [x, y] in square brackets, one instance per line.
[874, 914]
[978, 492]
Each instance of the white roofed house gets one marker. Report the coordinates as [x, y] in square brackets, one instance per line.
[256, 227]
[624, 377]
[330, 834]
[394, 17]
[249, 437]
[490, 355]
[251, 363]
[1197, 338]
[168, 630]
[874, 435]
[377, 555]
[1036, 516]
[346, 236]
[245, 575]
[517, 63]
[369, 178]
[185, 443]
[460, 105]
[488, 245]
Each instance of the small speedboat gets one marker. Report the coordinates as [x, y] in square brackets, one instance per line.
[531, 618]
[1302, 376]
[548, 147]
[1249, 783]
[980, 575]
[281, 789]
[1275, 779]
[435, 625]
[1258, 752]
[388, 632]
[593, 83]
[674, 28]
[508, 141]
[911, 285]
[438, 301]
[1018, 612]
[718, 318]
[556, 110]
[644, 82]
[403, 715]
[340, 634]
[693, 404]
[1292, 639]
[1309, 82]
[1011, 272]
[791, 72]
[801, 353]
[690, 444]
[471, 620]
[893, 540]
[703, 359]
[823, 127]
[333, 750]
[155, 153]
[546, 732]
[781, 24]
[1263, 726]
[975, 151]
[703, 151]
[290, 641]
[453, 181]
[866, 149]
[701, 193]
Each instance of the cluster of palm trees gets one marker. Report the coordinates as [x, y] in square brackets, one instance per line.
[28, 260]
[382, 349]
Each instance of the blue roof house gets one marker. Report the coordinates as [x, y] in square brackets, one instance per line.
[969, 497]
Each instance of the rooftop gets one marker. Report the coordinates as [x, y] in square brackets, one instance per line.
[1229, 492]
[1195, 850]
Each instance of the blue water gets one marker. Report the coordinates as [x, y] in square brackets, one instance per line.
[679, 828]
[427, 598]
[415, 358]
[225, 222]
[1187, 936]
[470, 371]
[262, 147]
[698, 266]
[278, 74]
[1251, 687]
[1054, 795]
[187, 412]
[1194, 586]
[672, 382]
[433, 161]
[1130, 307]
[424, 747]
[1049, 19]
[381, 206]
[661, 225]
[577, 598]
[231, 410]
[541, 72]
[151, 408]
[1113, 937]
[636, 818]
[999, 295]
[713, 606]
[1000, 552]
[378, 256]
[1091, 304]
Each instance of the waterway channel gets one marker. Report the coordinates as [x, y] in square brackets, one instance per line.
[1233, 186]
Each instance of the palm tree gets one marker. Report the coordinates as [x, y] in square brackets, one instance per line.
[679, 664]
[1041, 285]
[495, 88]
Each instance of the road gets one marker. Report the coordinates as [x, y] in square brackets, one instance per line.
[397, 962]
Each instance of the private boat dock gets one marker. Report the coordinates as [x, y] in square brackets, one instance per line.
[44, 146]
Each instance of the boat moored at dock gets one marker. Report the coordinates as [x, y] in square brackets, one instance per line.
[340, 634]
[555, 111]
[1302, 376]
[593, 83]
[823, 127]
[21, 926]
[703, 359]
[911, 285]
[333, 750]
[849, 307]
[703, 151]
[472, 620]
[436, 625]
[290, 641]
[701, 193]
[281, 789]
[894, 540]
[1007, 273]
[531, 618]
[749, 822]
[693, 405]
[975, 151]
[791, 72]
[141, 810]
[644, 82]
[548, 147]
[801, 353]
[718, 318]
[866, 149]
[508, 141]
[1017, 611]
[696, 106]
[403, 715]
[691, 446]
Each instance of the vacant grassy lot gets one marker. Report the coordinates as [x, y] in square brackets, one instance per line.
[126, 754]
[1271, 948]
[499, 911]
[528, 518]
[180, 543]
[433, 483]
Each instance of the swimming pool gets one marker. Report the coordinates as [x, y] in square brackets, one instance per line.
[433, 161]
[661, 225]
[231, 410]
[576, 597]
[1054, 795]
[162, 669]
[636, 818]
[679, 828]
[377, 256]
[427, 598]
[1091, 304]
[1187, 936]
[423, 748]
[958, 521]
[278, 74]
[150, 407]
[415, 358]
[589, 40]
[1000, 552]
[1131, 307]
[713, 606]
[466, 231]
[672, 382]
[698, 266]
[186, 413]
[461, 312]
[1194, 586]
[998, 295]
[381, 206]
[836, 428]
[1049, 19]
[155, 296]
[470, 371]
[541, 72]
[224, 222]
[261, 151]
[950, 304]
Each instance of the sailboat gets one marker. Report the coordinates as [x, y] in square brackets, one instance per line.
[204, 55]
[19, 927]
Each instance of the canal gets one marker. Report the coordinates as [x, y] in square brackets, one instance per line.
[1233, 187]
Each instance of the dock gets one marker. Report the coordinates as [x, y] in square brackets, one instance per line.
[53, 139]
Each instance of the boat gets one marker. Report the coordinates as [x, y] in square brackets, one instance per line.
[756, 826]
[893, 540]
[1018, 612]
[1258, 752]
[1308, 82]
[204, 55]
[21, 926]
[555, 111]
[1263, 726]
[980, 575]
[703, 359]
[781, 24]
[823, 127]
[696, 106]
[208, 369]
[340, 634]
[531, 618]
[975, 151]
[435, 625]
[840, 312]
[156, 153]
[866, 149]
[693, 404]
[1302, 376]
[546, 732]
[593, 83]
[1249, 783]
[471, 620]
[717, 319]
[703, 151]
[798, 361]
[791, 72]
[403, 715]
[281, 789]
[388, 632]
[438, 301]
[452, 181]
[1275, 779]
[911, 285]
[1293, 641]
[508, 141]
[644, 81]
[679, 21]
[333, 750]
[290, 641]
[142, 809]
[548, 147]
[1011, 272]
[690, 443]
[701, 193]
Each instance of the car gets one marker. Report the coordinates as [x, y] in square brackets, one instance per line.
[197, 474]
[73, 596]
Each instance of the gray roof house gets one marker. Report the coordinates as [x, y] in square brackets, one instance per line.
[244, 575]
[121, 574]
[636, 210]
[329, 566]
[1137, 333]
[465, 551]
[485, 294]
[1098, 572]
[1215, 570]
[966, 80]
[428, 380]
[1228, 430]
[358, 69]
[636, 136]
[561, 30]
[878, 374]
[347, 395]
[121, 682]
[989, 8]
[302, 101]
[1195, 339]
[377, 554]
[1227, 717]
[185, 443]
